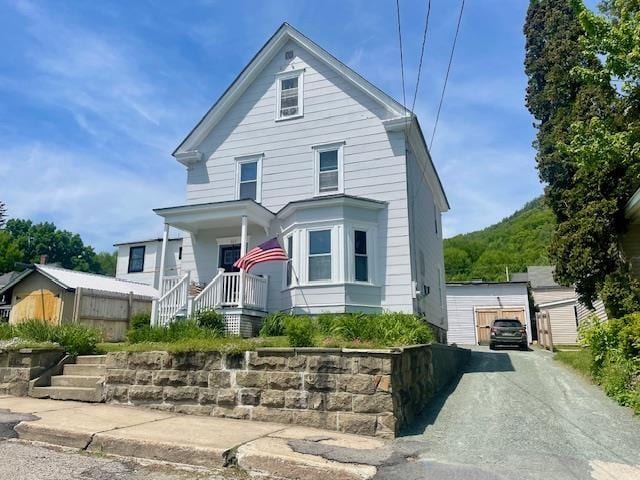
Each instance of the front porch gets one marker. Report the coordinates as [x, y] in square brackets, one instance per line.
[240, 296]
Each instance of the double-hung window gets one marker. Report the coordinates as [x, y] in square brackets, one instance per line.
[249, 178]
[328, 169]
[136, 259]
[361, 260]
[289, 246]
[319, 267]
[290, 95]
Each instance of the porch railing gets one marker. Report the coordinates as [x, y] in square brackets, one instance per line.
[173, 301]
[168, 283]
[224, 291]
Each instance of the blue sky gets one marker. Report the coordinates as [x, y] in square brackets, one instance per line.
[94, 96]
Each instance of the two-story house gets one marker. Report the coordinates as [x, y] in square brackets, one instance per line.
[302, 148]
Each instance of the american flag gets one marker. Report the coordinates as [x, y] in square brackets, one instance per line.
[269, 251]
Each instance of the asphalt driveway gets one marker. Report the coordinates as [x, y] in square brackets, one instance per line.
[522, 415]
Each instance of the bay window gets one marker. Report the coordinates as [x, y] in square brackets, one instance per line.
[361, 260]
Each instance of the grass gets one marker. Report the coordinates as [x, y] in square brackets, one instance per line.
[579, 360]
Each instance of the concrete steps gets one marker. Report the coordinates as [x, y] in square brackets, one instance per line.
[82, 381]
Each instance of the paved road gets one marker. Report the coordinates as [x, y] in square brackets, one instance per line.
[522, 415]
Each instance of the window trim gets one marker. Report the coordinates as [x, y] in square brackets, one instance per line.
[290, 248]
[144, 252]
[250, 159]
[317, 150]
[299, 74]
[330, 254]
[350, 250]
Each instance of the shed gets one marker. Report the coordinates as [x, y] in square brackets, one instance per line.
[58, 296]
[472, 306]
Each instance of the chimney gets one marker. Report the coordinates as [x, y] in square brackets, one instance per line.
[43, 259]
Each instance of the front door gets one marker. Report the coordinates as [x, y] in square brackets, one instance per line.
[228, 256]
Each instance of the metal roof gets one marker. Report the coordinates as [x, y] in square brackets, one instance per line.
[71, 279]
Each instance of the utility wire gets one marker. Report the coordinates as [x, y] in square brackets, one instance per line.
[424, 41]
[404, 96]
[446, 78]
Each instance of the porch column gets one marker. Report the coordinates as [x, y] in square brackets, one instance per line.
[163, 254]
[243, 251]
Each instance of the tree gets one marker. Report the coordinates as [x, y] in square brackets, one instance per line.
[10, 252]
[107, 262]
[3, 213]
[582, 153]
[35, 239]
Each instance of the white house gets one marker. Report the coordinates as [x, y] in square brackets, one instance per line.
[472, 307]
[140, 261]
[302, 148]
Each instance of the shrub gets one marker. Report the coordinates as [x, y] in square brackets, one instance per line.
[178, 330]
[300, 330]
[273, 325]
[615, 364]
[75, 339]
[210, 319]
[140, 320]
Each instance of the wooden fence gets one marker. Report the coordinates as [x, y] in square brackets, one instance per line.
[109, 312]
[545, 338]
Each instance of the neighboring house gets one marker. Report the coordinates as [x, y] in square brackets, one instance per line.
[5, 301]
[57, 295]
[140, 261]
[561, 303]
[472, 307]
[631, 240]
[302, 148]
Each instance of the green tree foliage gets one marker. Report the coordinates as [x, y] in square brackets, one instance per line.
[24, 241]
[107, 262]
[516, 242]
[583, 146]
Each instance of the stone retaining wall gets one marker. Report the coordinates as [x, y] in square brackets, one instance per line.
[374, 392]
[17, 367]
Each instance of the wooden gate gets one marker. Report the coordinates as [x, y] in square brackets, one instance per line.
[40, 304]
[486, 316]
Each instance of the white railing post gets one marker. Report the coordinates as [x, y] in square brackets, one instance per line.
[154, 312]
[265, 294]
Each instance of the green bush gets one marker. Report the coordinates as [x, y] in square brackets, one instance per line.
[178, 330]
[210, 319]
[615, 352]
[273, 325]
[140, 320]
[75, 339]
[300, 330]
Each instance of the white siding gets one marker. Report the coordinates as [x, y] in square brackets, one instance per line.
[462, 300]
[563, 324]
[552, 294]
[151, 269]
[334, 111]
[598, 310]
[426, 245]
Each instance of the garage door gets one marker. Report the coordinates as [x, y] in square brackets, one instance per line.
[39, 304]
[486, 316]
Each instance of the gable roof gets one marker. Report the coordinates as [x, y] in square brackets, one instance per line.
[542, 277]
[72, 279]
[285, 33]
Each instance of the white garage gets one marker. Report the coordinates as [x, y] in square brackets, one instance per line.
[472, 306]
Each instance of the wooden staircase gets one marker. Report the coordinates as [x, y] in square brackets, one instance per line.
[82, 381]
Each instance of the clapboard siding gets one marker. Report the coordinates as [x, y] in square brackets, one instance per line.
[563, 324]
[151, 267]
[463, 299]
[598, 310]
[552, 294]
[631, 248]
[373, 166]
[426, 245]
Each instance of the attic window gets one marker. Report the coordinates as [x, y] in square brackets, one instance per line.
[289, 87]
[288, 55]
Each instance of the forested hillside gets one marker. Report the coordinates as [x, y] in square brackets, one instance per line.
[515, 242]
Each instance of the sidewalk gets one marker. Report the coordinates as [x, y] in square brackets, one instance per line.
[276, 450]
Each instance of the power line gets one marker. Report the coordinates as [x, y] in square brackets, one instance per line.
[424, 41]
[404, 96]
[446, 78]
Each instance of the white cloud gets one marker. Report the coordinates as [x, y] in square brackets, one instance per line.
[103, 203]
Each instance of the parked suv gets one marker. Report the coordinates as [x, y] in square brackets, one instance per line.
[507, 331]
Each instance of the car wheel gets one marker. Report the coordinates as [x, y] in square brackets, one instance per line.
[492, 346]
[524, 347]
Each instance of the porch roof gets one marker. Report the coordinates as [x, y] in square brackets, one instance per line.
[200, 216]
